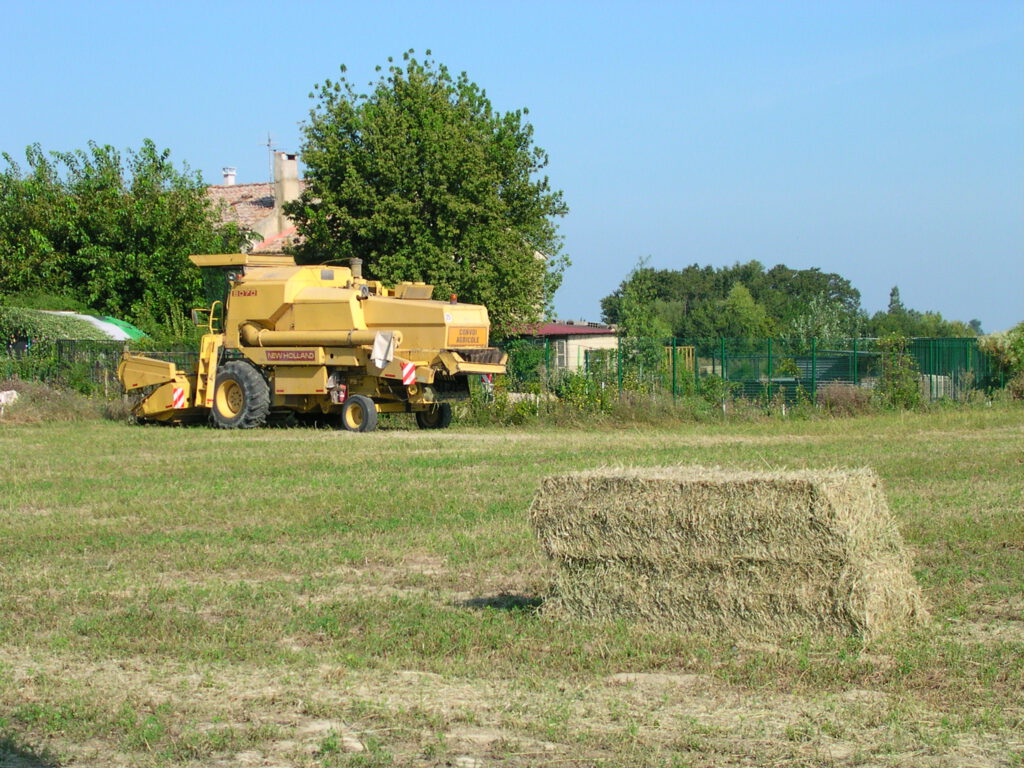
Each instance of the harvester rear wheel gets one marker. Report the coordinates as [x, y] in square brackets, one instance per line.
[241, 397]
[438, 417]
[359, 414]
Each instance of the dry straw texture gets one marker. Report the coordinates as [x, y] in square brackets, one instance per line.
[746, 554]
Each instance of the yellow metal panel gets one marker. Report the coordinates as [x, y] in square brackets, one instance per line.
[344, 313]
[300, 380]
[241, 260]
[413, 291]
[345, 356]
[137, 371]
[170, 401]
[455, 364]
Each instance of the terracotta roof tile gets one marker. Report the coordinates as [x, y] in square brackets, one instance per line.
[244, 204]
[277, 243]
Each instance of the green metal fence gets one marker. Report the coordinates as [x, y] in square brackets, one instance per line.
[86, 366]
[754, 368]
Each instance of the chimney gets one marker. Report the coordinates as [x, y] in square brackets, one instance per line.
[229, 175]
[286, 178]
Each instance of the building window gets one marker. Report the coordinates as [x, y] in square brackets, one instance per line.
[561, 356]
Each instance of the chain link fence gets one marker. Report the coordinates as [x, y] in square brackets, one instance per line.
[89, 367]
[751, 368]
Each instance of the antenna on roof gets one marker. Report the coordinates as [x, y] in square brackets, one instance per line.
[271, 149]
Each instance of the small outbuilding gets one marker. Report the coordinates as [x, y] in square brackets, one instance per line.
[571, 341]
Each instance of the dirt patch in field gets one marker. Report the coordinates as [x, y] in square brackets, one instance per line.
[997, 623]
[260, 717]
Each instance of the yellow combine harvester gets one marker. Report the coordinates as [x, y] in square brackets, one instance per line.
[317, 341]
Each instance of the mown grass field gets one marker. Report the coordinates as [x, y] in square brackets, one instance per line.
[315, 598]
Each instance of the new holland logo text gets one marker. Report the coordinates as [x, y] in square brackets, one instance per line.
[292, 356]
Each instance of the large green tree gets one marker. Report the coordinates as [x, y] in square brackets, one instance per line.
[108, 231]
[700, 302]
[424, 180]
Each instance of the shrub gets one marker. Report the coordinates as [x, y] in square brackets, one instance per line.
[526, 359]
[899, 380]
[40, 402]
[716, 390]
[1015, 387]
[1007, 348]
[838, 399]
[582, 393]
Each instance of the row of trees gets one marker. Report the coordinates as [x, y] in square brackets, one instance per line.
[104, 231]
[749, 301]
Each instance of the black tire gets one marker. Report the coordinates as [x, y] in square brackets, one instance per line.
[438, 417]
[358, 414]
[241, 397]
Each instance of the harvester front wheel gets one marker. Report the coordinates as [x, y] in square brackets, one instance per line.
[438, 417]
[241, 397]
[359, 414]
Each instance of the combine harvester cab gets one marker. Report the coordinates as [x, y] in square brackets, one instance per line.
[289, 342]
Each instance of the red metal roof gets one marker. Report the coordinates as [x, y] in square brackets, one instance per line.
[565, 329]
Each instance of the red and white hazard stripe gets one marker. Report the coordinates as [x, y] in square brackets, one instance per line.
[408, 373]
[487, 378]
[178, 400]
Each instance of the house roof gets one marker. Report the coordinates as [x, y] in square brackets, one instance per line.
[276, 243]
[566, 329]
[243, 204]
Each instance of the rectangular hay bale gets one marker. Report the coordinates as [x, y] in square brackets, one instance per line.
[727, 552]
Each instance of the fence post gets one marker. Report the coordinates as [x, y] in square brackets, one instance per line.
[770, 370]
[618, 364]
[724, 373]
[673, 369]
[696, 369]
[856, 362]
[933, 385]
[814, 371]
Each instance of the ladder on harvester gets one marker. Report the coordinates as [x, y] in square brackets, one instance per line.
[209, 351]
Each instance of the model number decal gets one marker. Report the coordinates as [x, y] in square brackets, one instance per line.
[243, 292]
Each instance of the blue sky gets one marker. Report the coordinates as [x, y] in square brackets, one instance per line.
[883, 141]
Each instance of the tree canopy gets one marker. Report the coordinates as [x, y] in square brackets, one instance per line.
[424, 180]
[747, 300]
[741, 300]
[108, 232]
